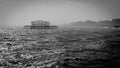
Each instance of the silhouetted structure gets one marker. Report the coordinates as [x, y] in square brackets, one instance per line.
[117, 23]
[39, 24]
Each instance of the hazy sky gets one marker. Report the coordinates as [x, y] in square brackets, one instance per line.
[58, 12]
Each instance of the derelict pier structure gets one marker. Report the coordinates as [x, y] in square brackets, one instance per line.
[39, 24]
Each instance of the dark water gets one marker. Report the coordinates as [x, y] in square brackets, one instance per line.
[62, 48]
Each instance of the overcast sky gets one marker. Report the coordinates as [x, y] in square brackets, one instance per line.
[58, 12]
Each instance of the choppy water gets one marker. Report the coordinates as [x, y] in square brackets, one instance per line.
[85, 48]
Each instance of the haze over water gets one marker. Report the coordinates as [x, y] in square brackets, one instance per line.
[58, 12]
